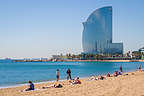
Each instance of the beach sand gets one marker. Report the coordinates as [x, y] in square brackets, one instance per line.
[128, 85]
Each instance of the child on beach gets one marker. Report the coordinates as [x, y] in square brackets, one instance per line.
[31, 86]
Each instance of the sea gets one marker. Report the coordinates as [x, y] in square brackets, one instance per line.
[18, 73]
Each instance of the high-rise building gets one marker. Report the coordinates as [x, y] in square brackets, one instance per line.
[141, 50]
[97, 33]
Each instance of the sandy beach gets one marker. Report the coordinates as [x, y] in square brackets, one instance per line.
[123, 85]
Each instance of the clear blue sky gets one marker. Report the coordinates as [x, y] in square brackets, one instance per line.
[40, 28]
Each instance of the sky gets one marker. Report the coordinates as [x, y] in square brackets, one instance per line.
[41, 28]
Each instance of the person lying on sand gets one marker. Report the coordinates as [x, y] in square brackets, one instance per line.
[125, 74]
[92, 78]
[31, 86]
[101, 78]
[76, 81]
[53, 86]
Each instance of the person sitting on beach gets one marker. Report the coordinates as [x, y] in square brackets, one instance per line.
[31, 86]
[115, 73]
[53, 86]
[108, 75]
[76, 81]
[119, 73]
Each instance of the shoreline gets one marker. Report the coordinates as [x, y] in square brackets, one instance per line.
[82, 61]
[123, 85]
[25, 84]
[54, 81]
[104, 60]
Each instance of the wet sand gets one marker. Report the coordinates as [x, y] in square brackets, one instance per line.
[128, 85]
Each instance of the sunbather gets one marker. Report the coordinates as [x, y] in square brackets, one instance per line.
[92, 78]
[101, 78]
[108, 75]
[115, 73]
[76, 81]
[53, 86]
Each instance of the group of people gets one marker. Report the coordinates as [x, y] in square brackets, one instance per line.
[68, 74]
[100, 77]
[116, 73]
[32, 87]
[76, 80]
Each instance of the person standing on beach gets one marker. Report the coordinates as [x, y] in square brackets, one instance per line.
[121, 69]
[139, 67]
[57, 74]
[69, 74]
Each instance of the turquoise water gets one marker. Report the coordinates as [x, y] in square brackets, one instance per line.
[14, 73]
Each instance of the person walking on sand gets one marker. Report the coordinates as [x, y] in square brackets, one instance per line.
[57, 74]
[69, 74]
[121, 69]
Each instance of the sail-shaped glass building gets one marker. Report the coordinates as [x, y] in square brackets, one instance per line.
[97, 33]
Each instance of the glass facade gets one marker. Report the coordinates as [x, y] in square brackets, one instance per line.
[97, 33]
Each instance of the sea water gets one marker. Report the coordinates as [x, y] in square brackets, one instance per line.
[16, 73]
